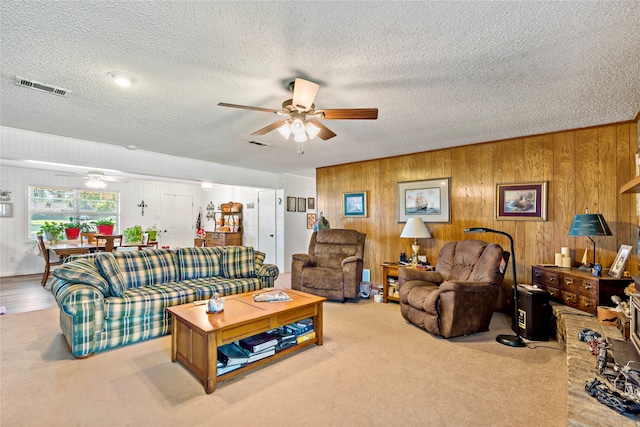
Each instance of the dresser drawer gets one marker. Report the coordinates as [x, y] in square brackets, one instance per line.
[554, 293]
[550, 279]
[587, 304]
[570, 299]
[570, 283]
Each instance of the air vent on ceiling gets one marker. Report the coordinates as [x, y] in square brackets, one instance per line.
[41, 87]
[259, 144]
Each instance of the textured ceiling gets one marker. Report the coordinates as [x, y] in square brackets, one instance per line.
[441, 73]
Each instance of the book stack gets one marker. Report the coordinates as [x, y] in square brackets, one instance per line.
[248, 350]
[285, 339]
[302, 329]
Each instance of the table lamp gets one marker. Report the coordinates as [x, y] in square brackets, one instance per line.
[510, 340]
[588, 225]
[415, 229]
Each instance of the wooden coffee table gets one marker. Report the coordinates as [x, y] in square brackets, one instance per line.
[196, 335]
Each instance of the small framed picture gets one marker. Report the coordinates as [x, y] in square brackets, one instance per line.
[145, 238]
[311, 219]
[291, 204]
[302, 204]
[6, 210]
[311, 203]
[524, 202]
[354, 204]
[617, 268]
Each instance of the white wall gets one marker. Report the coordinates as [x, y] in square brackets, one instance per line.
[17, 255]
[296, 233]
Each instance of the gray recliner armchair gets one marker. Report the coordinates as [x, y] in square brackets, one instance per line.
[459, 297]
[333, 266]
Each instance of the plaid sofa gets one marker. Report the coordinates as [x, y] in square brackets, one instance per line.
[115, 298]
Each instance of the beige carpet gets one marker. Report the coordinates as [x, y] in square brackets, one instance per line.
[373, 370]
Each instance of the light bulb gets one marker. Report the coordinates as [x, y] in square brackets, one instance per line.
[302, 137]
[312, 130]
[285, 130]
[297, 127]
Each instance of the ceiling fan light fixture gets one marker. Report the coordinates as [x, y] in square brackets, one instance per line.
[297, 127]
[285, 130]
[312, 130]
[95, 183]
[301, 137]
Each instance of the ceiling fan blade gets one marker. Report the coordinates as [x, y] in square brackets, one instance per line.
[115, 179]
[244, 107]
[304, 92]
[350, 114]
[269, 128]
[325, 133]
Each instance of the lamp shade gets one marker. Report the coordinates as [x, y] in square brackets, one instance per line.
[589, 225]
[415, 229]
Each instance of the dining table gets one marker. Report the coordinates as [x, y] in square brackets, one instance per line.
[67, 248]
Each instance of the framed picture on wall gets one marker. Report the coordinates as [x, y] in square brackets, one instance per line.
[617, 268]
[302, 204]
[6, 210]
[525, 202]
[354, 204]
[311, 203]
[311, 219]
[427, 199]
[291, 204]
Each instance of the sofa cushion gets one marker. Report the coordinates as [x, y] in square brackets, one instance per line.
[205, 287]
[83, 270]
[238, 262]
[148, 300]
[125, 270]
[110, 270]
[199, 262]
[260, 256]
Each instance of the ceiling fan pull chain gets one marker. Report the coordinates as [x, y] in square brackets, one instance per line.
[300, 148]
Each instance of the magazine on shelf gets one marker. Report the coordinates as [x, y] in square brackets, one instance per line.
[306, 337]
[223, 370]
[271, 296]
[252, 357]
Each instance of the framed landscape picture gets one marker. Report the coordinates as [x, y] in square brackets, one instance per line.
[354, 204]
[427, 199]
[302, 204]
[526, 201]
[311, 203]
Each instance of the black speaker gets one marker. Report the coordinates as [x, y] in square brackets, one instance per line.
[534, 313]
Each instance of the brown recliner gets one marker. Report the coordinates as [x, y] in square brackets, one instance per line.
[459, 297]
[333, 266]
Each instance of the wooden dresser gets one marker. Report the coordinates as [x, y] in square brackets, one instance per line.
[578, 289]
[222, 238]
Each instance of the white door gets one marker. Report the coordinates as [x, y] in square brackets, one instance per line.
[267, 225]
[178, 221]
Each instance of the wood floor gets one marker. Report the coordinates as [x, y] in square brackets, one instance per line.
[19, 294]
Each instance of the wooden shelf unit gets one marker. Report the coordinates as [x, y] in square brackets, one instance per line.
[389, 272]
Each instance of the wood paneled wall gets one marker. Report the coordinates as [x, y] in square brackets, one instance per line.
[585, 169]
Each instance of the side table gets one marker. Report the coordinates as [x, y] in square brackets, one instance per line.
[389, 272]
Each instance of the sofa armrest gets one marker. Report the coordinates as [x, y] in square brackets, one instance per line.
[352, 276]
[81, 315]
[298, 262]
[410, 274]
[466, 286]
[268, 274]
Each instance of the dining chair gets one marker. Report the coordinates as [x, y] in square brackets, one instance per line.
[47, 262]
[109, 241]
[89, 237]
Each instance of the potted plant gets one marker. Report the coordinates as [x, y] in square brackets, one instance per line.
[133, 234]
[105, 226]
[154, 233]
[72, 229]
[52, 231]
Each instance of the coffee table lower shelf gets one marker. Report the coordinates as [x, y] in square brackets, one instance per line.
[196, 335]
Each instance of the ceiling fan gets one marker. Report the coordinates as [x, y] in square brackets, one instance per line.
[96, 179]
[302, 121]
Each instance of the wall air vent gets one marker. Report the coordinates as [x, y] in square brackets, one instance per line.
[259, 144]
[41, 87]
